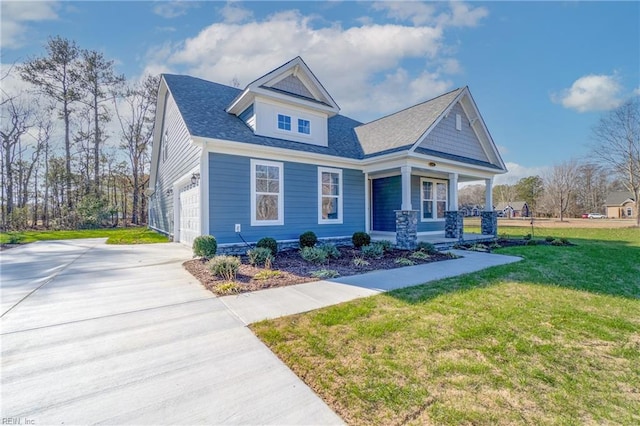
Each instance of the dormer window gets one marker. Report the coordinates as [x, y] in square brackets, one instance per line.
[284, 122]
[304, 126]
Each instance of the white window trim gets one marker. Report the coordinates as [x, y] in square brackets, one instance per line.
[254, 220]
[291, 119]
[339, 220]
[435, 199]
[298, 126]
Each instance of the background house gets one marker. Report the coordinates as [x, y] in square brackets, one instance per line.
[513, 209]
[621, 205]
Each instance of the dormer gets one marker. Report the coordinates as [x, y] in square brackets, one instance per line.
[287, 103]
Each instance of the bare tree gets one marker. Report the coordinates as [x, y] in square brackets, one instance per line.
[560, 186]
[592, 189]
[56, 76]
[617, 145]
[471, 195]
[504, 193]
[136, 122]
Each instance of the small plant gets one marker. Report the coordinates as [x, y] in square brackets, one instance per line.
[205, 246]
[266, 274]
[495, 245]
[325, 273]
[420, 255]
[549, 238]
[260, 256]
[360, 239]
[527, 237]
[308, 239]
[270, 243]
[225, 267]
[403, 261]
[532, 242]
[386, 245]
[565, 241]
[314, 255]
[557, 243]
[227, 287]
[14, 238]
[360, 262]
[331, 250]
[372, 251]
[479, 248]
[451, 255]
[427, 247]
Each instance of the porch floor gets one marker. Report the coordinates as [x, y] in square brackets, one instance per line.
[437, 240]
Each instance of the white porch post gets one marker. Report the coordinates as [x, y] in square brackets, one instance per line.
[406, 187]
[453, 185]
[488, 196]
[367, 204]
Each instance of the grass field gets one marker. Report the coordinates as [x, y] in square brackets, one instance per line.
[136, 235]
[553, 339]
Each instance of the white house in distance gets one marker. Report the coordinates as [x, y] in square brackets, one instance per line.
[276, 159]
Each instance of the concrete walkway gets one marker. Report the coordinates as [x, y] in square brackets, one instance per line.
[277, 302]
[92, 333]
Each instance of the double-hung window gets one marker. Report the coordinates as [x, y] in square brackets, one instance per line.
[267, 193]
[329, 195]
[284, 122]
[433, 199]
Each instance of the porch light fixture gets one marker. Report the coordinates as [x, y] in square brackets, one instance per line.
[432, 164]
[195, 178]
[169, 192]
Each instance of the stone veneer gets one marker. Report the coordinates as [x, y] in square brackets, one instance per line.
[406, 229]
[454, 225]
[489, 223]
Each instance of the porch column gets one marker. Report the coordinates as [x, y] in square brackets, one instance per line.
[488, 196]
[406, 187]
[367, 203]
[453, 185]
[406, 229]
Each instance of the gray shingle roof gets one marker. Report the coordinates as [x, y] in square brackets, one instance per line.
[616, 198]
[202, 105]
[404, 128]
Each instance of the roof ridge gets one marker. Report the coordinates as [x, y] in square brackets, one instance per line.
[413, 106]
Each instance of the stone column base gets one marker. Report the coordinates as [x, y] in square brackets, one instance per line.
[406, 229]
[453, 227]
[489, 223]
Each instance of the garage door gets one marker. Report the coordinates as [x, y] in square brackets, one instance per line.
[189, 214]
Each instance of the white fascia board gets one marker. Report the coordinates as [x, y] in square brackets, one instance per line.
[291, 100]
[157, 134]
[456, 166]
[219, 146]
[285, 103]
[485, 130]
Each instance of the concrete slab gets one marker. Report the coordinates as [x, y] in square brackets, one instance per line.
[277, 302]
[124, 335]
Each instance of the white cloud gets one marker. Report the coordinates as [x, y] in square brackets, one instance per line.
[360, 66]
[458, 15]
[234, 14]
[591, 93]
[416, 12]
[517, 172]
[173, 9]
[16, 17]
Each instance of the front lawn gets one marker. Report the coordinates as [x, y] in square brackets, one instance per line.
[134, 235]
[552, 339]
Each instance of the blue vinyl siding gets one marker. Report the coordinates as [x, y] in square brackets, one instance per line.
[230, 200]
[386, 198]
[415, 203]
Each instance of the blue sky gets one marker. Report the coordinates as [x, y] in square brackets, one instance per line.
[542, 73]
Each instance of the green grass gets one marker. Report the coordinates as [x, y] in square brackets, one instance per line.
[553, 339]
[136, 235]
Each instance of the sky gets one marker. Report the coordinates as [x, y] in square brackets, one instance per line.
[541, 73]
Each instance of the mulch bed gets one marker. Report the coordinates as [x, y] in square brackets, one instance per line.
[295, 270]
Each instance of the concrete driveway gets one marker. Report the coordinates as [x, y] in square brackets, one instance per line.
[92, 333]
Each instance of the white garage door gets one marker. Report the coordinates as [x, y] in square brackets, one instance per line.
[189, 214]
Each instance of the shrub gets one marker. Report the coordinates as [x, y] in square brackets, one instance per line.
[325, 273]
[527, 237]
[495, 246]
[532, 243]
[331, 250]
[225, 267]
[373, 251]
[360, 239]
[421, 255]
[313, 254]
[565, 241]
[270, 243]
[427, 247]
[266, 274]
[386, 245]
[404, 261]
[260, 256]
[205, 246]
[14, 238]
[479, 247]
[227, 287]
[549, 238]
[308, 239]
[360, 262]
[451, 255]
[557, 243]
